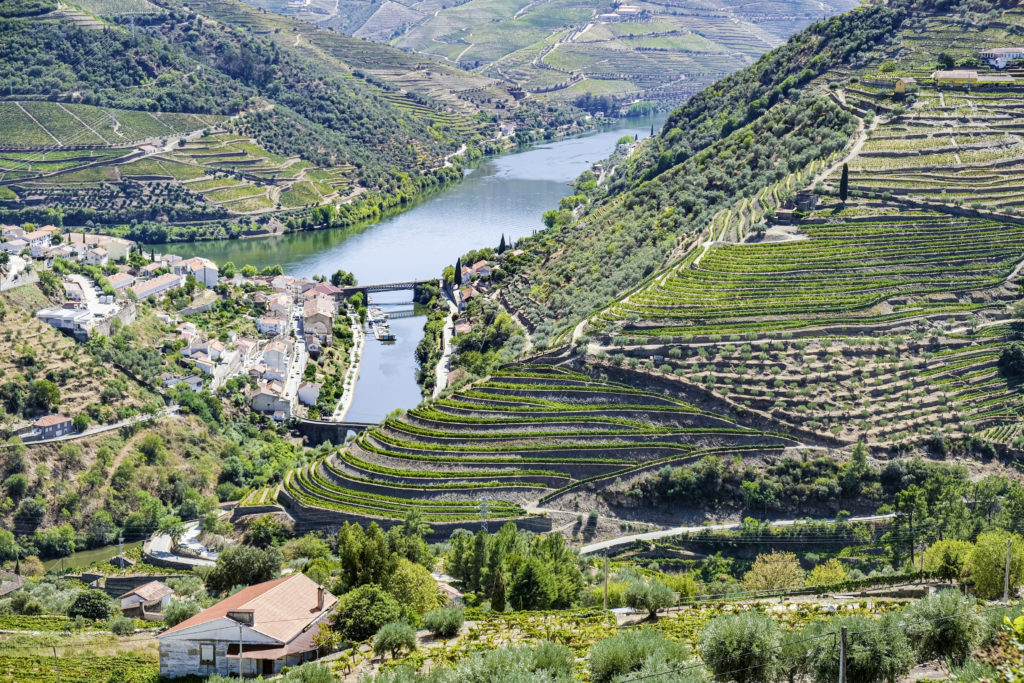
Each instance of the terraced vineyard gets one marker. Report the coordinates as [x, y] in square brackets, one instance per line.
[526, 436]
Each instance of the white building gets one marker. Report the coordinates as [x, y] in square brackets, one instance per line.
[270, 325]
[999, 57]
[120, 280]
[204, 270]
[157, 286]
[117, 248]
[148, 598]
[269, 397]
[275, 355]
[15, 246]
[308, 393]
[95, 256]
[274, 623]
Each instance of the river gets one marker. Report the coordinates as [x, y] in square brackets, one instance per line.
[504, 195]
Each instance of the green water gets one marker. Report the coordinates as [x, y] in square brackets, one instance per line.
[84, 558]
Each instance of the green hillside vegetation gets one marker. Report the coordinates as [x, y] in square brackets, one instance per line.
[565, 49]
[291, 118]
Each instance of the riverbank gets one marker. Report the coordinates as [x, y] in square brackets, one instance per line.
[355, 360]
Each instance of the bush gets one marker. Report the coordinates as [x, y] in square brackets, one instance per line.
[309, 672]
[650, 596]
[629, 650]
[394, 637]
[741, 647]
[180, 610]
[91, 604]
[986, 563]
[444, 622]
[243, 565]
[875, 651]
[361, 612]
[943, 625]
[122, 626]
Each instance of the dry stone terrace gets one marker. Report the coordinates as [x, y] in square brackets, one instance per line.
[526, 435]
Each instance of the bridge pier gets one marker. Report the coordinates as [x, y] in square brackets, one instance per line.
[316, 432]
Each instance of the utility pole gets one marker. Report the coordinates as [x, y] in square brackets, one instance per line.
[606, 583]
[239, 651]
[842, 655]
[1006, 574]
[56, 662]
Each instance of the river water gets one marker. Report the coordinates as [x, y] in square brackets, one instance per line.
[504, 195]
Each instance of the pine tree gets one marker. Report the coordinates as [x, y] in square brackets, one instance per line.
[844, 183]
[498, 593]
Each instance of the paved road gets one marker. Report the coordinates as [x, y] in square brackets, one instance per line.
[160, 547]
[444, 362]
[675, 531]
[170, 410]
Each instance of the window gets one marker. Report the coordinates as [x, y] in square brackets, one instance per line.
[206, 655]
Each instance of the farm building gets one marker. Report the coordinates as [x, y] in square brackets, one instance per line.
[256, 631]
[999, 57]
[147, 599]
[955, 77]
[51, 426]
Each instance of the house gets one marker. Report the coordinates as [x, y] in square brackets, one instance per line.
[187, 331]
[257, 631]
[280, 305]
[260, 299]
[15, 246]
[11, 232]
[193, 382]
[146, 601]
[901, 84]
[452, 595]
[275, 355]
[463, 327]
[481, 269]
[150, 269]
[205, 365]
[318, 317]
[74, 318]
[325, 289]
[465, 294]
[117, 248]
[120, 280]
[157, 286]
[999, 57]
[95, 256]
[204, 270]
[271, 325]
[51, 426]
[269, 398]
[73, 291]
[37, 238]
[10, 582]
[308, 393]
[245, 348]
[955, 77]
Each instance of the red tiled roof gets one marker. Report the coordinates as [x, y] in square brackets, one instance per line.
[51, 420]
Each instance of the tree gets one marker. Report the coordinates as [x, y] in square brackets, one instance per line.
[413, 586]
[774, 571]
[828, 574]
[498, 601]
[91, 604]
[987, 562]
[394, 637]
[741, 647]
[173, 527]
[249, 271]
[533, 586]
[844, 183]
[943, 624]
[265, 531]
[445, 622]
[361, 612]
[152, 448]
[1011, 359]
[948, 558]
[80, 422]
[650, 596]
[448, 274]
[628, 651]
[44, 395]
[876, 651]
[122, 626]
[341, 278]
[501, 244]
[243, 565]
[458, 271]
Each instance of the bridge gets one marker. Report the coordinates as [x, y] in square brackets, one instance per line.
[385, 287]
[318, 431]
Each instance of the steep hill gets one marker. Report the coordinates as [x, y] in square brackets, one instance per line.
[225, 117]
[562, 49]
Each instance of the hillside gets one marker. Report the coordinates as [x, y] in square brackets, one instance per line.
[564, 49]
[225, 118]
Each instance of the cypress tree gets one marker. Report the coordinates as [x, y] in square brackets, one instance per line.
[844, 183]
[501, 244]
[458, 271]
[498, 593]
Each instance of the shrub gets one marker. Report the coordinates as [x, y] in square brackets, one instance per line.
[774, 571]
[361, 612]
[444, 622]
[628, 651]
[650, 596]
[180, 610]
[91, 604]
[741, 647]
[309, 672]
[986, 564]
[943, 625]
[122, 626]
[875, 651]
[394, 637]
[832, 572]
[244, 565]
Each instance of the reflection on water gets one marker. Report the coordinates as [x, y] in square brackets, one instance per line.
[504, 195]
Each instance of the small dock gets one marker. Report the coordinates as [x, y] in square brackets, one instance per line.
[378, 321]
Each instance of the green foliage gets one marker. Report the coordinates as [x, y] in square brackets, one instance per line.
[361, 612]
[986, 564]
[394, 637]
[413, 586]
[243, 565]
[1011, 359]
[876, 652]
[629, 651]
[180, 610]
[310, 672]
[741, 647]
[122, 626]
[445, 622]
[91, 604]
[649, 596]
[943, 625]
